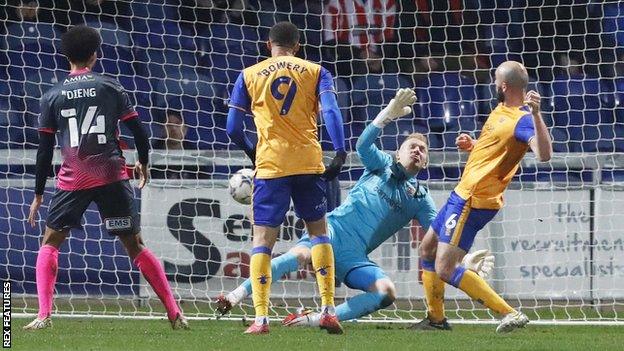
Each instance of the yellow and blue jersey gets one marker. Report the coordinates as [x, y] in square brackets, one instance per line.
[489, 169]
[282, 93]
[496, 156]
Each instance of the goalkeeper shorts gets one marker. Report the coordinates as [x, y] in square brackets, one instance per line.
[115, 202]
[457, 223]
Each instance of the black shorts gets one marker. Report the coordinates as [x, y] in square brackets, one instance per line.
[115, 202]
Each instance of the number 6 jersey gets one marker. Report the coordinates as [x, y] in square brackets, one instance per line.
[85, 109]
[283, 93]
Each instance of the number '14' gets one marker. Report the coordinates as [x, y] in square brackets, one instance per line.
[86, 128]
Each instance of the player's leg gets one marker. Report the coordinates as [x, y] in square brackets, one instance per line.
[380, 292]
[298, 256]
[118, 211]
[65, 212]
[432, 284]
[453, 245]
[270, 202]
[310, 202]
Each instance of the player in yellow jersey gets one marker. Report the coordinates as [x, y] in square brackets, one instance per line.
[512, 128]
[283, 93]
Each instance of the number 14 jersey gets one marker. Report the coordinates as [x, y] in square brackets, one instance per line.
[85, 108]
[282, 93]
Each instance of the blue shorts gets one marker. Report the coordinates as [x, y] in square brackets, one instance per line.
[353, 268]
[457, 223]
[271, 199]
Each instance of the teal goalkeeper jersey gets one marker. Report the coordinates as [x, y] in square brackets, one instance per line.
[382, 201]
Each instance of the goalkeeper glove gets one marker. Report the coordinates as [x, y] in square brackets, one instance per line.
[481, 262]
[399, 106]
[333, 170]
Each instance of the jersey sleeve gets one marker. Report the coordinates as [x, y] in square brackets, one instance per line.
[525, 129]
[426, 212]
[330, 109]
[47, 119]
[372, 158]
[240, 96]
[126, 107]
[325, 82]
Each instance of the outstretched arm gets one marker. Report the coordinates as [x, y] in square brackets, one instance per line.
[372, 158]
[240, 104]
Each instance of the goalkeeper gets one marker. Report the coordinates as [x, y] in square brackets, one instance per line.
[384, 200]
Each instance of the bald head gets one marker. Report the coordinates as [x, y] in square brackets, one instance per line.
[511, 82]
[513, 73]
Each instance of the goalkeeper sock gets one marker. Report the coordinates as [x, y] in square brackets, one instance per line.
[361, 305]
[478, 289]
[280, 265]
[154, 273]
[323, 263]
[260, 276]
[434, 291]
[46, 269]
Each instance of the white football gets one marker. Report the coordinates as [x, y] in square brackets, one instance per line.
[240, 185]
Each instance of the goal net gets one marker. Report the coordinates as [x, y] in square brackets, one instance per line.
[558, 242]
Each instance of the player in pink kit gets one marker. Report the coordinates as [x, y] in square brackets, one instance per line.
[85, 109]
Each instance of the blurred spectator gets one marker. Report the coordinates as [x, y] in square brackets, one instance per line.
[48, 11]
[116, 12]
[356, 31]
[27, 11]
[175, 134]
[174, 138]
[204, 12]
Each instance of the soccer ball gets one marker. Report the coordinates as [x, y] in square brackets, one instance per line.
[240, 185]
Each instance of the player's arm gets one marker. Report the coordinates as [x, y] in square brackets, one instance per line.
[129, 116]
[372, 158]
[141, 142]
[333, 122]
[540, 144]
[45, 152]
[240, 104]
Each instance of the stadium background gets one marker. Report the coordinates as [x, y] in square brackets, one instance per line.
[181, 58]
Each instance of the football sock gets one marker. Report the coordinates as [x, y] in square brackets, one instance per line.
[361, 305]
[154, 273]
[46, 269]
[323, 263]
[280, 265]
[260, 276]
[434, 291]
[478, 289]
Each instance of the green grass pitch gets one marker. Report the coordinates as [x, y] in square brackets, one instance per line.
[126, 334]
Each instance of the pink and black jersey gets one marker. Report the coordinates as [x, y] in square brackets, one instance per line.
[85, 108]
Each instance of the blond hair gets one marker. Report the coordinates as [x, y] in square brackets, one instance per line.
[418, 136]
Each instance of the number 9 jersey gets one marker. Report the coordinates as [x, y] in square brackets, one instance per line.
[282, 93]
[85, 108]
